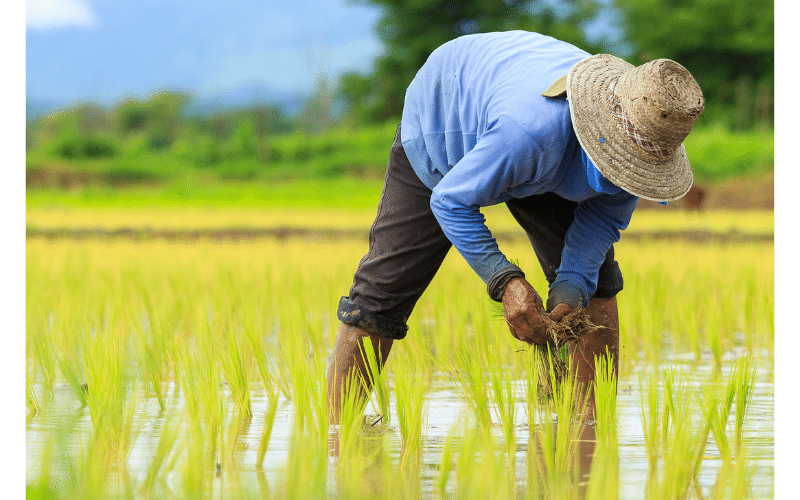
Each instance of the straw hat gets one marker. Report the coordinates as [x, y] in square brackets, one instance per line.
[632, 121]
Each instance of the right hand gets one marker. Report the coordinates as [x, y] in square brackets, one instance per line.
[524, 312]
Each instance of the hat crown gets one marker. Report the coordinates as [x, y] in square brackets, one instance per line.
[662, 99]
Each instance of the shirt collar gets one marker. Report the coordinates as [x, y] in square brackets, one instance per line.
[596, 179]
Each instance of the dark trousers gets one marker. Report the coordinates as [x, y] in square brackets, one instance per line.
[407, 246]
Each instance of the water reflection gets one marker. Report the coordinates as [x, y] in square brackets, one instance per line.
[299, 462]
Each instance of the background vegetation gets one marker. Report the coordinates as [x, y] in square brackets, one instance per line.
[345, 128]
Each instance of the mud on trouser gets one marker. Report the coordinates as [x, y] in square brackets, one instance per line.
[407, 247]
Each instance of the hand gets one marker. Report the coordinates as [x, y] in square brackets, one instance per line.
[524, 312]
[560, 311]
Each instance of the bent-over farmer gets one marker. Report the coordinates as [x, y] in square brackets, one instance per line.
[568, 141]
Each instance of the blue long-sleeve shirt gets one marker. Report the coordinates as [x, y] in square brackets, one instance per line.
[478, 132]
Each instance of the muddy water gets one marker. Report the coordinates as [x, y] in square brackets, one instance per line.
[443, 412]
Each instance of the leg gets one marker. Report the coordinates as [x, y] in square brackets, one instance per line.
[406, 248]
[603, 313]
[347, 361]
[546, 218]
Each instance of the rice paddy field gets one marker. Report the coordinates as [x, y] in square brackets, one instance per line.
[195, 367]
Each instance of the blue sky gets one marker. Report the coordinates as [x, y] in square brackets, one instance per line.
[103, 50]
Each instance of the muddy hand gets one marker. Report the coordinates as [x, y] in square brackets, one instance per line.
[560, 311]
[524, 312]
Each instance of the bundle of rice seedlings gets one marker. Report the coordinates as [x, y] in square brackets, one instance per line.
[571, 327]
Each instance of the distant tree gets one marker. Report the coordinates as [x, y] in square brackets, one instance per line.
[160, 116]
[317, 114]
[727, 46]
[269, 120]
[410, 31]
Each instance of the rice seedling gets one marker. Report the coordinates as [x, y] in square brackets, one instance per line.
[410, 387]
[32, 402]
[556, 437]
[44, 362]
[745, 379]
[199, 330]
[378, 380]
[266, 433]
[651, 419]
[236, 375]
[502, 383]
[605, 398]
[465, 367]
[73, 379]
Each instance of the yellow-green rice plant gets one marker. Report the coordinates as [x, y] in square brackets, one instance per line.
[31, 401]
[531, 364]
[236, 373]
[504, 399]
[557, 436]
[281, 374]
[686, 331]
[203, 402]
[605, 398]
[266, 433]
[255, 339]
[410, 386]
[111, 394]
[733, 475]
[714, 340]
[307, 374]
[768, 320]
[684, 438]
[377, 379]
[719, 415]
[151, 373]
[651, 418]
[745, 384]
[71, 375]
[44, 362]
[465, 367]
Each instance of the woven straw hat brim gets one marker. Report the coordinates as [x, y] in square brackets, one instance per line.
[604, 139]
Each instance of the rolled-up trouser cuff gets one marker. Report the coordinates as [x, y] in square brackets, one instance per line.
[351, 313]
[497, 282]
[566, 293]
[609, 281]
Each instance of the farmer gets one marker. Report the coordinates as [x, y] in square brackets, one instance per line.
[568, 141]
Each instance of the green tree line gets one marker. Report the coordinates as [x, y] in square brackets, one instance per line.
[727, 46]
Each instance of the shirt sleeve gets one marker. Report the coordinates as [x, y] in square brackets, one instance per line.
[505, 156]
[597, 225]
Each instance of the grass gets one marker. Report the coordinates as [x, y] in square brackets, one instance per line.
[224, 346]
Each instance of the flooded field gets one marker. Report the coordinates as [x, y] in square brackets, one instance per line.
[445, 411]
[204, 365]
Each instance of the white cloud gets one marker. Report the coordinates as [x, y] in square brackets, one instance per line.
[48, 14]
